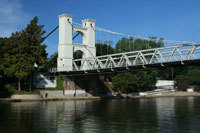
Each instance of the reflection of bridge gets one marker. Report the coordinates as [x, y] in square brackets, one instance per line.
[181, 53]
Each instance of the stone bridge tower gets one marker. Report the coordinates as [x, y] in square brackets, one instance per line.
[66, 48]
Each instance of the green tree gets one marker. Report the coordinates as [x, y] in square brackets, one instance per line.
[16, 62]
[51, 63]
[155, 44]
[2, 43]
[188, 77]
[37, 52]
[194, 75]
[129, 44]
[35, 38]
[22, 50]
[146, 79]
[124, 45]
[125, 82]
[182, 82]
[1, 63]
[104, 48]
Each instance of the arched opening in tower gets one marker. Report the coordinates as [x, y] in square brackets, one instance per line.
[78, 54]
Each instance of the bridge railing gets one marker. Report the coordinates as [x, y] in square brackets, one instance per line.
[179, 53]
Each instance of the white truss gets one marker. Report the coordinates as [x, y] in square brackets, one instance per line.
[179, 53]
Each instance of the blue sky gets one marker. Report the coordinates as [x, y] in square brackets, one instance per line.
[170, 19]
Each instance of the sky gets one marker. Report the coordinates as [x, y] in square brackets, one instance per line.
[169, 19]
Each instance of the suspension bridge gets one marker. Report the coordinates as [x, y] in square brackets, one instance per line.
[171, 53]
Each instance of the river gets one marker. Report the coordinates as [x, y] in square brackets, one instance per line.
[170, 114]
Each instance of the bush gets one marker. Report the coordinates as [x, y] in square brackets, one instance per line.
[10, 87]
[125, 82]
[182, 86]
[60, 82]
[197, 88]
[26, 93]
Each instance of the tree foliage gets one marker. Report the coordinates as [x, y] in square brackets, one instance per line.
[2, 43]
[142, 80]
[125, 82]
[51, 63]
[125, 44]
[134, 82]
[104, 49]
[35, 38]
[146, 79]
[189, 78]
[22, 50]
[16, 58]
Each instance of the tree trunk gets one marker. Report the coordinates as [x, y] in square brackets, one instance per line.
[30, 83]
[19, 85]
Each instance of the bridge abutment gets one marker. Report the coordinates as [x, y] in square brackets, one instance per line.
[90, 84]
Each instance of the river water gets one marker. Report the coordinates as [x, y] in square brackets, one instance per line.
[146, 115]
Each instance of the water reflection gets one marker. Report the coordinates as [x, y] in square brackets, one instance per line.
[138, 115]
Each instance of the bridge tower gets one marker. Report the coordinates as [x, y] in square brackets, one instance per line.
[66, 48]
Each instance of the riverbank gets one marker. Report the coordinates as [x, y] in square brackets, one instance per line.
[165, 94]
[48, 99]
[122, 96]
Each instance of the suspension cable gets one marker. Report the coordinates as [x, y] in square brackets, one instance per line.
[51, 32]
[143, 38]
[113, 40]
[129, 44]
[164, 41]
[107, 42]
[100, 43]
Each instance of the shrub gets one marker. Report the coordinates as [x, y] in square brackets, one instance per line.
[10, 87]
[125, 82]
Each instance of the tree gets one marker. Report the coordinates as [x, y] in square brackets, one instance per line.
[146, 79]
[35, 34]
[37, 52]
[22, 50]
[124, 45]
[51, 63]
[129, 44]
[182, 82]
[194, 75]
[16, 58]
[1, 62]
[125, 82]
[104, 49]
[2, 43]
[190, 77]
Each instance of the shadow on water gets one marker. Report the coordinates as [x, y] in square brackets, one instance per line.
[138, 115]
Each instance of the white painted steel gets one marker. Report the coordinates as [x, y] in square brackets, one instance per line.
[179, 53]
[66, 48]
[182, 51]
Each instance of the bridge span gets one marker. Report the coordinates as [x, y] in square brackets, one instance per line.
[180, 53]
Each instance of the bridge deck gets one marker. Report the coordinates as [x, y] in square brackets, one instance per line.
[132, 68]
[134, 60]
